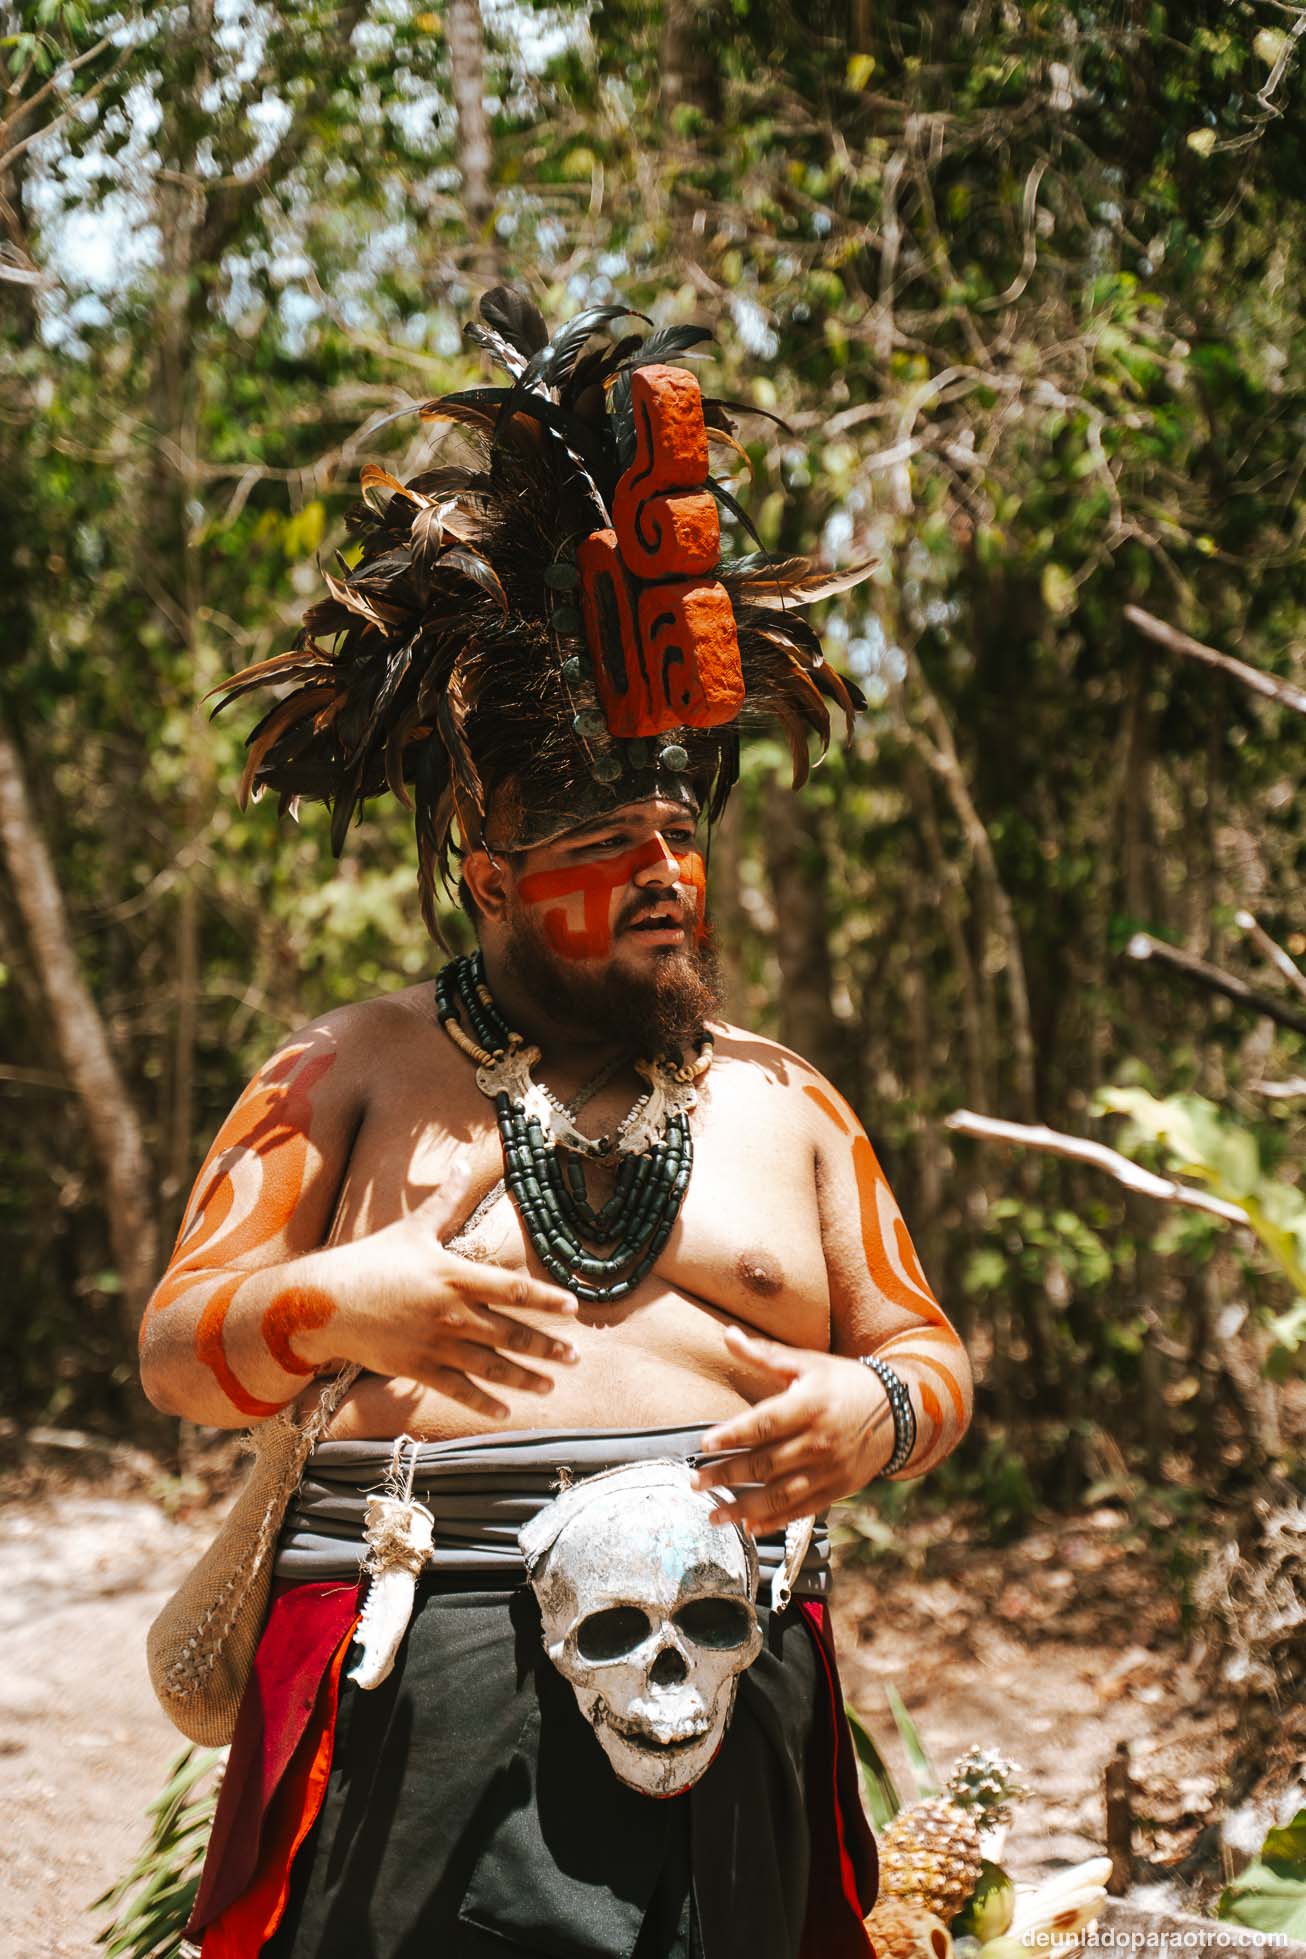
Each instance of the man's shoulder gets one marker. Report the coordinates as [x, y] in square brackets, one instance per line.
[383, 1030]
[771, 1061]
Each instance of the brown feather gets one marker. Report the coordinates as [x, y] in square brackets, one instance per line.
[270, 730]
[373, 477]
[807, 590]
[724, 435]
[794, 730]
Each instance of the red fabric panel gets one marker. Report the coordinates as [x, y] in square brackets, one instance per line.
[245, 1926]
[845, 1865]
[305, 1626]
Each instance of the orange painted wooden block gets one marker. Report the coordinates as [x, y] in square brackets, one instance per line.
[691, 656]
[609, 614]
[663, 536]
[663, 637]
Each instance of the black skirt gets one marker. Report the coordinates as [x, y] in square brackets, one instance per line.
[470, 1812]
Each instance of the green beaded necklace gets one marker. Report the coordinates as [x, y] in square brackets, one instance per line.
[544, 1153]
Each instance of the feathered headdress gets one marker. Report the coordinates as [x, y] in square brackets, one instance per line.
[547, 631]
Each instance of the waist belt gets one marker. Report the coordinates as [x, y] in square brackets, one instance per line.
[481, 1489]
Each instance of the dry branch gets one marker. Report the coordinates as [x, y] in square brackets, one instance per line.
[1174, 641]
[1143, 946]
[1080, 1149]
[1274, 952]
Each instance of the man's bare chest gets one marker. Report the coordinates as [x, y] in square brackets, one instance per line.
[747, 1241]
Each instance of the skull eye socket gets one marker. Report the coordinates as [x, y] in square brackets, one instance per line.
[720, 1623]
[611, 1634]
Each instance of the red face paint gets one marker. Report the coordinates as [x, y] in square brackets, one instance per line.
[578, 902]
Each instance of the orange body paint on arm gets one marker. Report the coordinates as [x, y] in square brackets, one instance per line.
[244, 1197]
[897, 1274]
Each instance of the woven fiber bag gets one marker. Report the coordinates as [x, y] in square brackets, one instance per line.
[201, 1647]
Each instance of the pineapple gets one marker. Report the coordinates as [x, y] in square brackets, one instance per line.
[930, 1853]
[986, 1784]
[902, 1930]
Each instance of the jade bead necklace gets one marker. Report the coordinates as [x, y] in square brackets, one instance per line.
[600, 1255]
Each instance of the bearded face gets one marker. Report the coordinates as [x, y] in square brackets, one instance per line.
[606, 926]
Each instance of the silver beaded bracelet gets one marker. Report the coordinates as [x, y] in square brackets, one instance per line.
[904, 1415]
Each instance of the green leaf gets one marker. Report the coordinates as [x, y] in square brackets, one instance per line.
[152, 1901]
[1269, 43]
[1268, 1898]
[1059, 590]
[1287, 1845]
[922, 1768]
[878, 1791]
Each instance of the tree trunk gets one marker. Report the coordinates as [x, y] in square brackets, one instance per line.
[83, 1043]
[690, 76]
[796, 866]
[726, 911]
[928, 1147]
[465, 32]
[183, 1049]
[947, 895]
[940, 752]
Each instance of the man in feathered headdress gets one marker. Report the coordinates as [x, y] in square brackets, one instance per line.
[556, 1180]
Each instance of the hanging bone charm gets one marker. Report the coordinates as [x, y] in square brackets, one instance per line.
[399, 1535]
[798, 1541]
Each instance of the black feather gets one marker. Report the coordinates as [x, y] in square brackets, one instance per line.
[552, 364]
[742, 408]
[668, 343]
[736, 510]
[516, 317]
[596, 367]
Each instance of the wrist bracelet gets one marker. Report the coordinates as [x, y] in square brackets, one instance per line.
[904, 1415]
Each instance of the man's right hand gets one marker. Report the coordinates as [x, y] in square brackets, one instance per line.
[408, 1309]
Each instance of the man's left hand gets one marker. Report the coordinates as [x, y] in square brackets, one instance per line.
[824, 1433]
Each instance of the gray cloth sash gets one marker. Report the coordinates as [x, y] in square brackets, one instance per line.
[481, 1490]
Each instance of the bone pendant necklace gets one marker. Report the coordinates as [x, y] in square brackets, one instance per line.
[544, 1153]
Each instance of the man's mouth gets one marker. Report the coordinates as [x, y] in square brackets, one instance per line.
[665, 924]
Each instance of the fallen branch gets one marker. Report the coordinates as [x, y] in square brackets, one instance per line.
[1143, 946]
[1174, 641]
[1080, 1149]
[1260, 938]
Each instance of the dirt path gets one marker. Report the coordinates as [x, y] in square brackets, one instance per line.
[1055, 1650]
[83, 1746]
[1052, 1650]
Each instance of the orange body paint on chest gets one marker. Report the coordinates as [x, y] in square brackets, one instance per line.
[576, 901]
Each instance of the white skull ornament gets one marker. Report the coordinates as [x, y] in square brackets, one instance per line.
[648, 1611]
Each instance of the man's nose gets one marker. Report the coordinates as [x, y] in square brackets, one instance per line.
[655, 863]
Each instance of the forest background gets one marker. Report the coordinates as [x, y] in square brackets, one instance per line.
[1026, 285]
